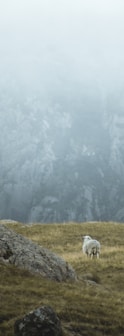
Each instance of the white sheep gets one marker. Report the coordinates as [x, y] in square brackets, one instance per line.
[91, 247]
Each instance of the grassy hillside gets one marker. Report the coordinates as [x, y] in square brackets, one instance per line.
[94, 305]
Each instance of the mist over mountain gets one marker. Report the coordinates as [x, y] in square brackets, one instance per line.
[61, 111]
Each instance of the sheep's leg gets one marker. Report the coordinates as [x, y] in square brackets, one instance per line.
[86, 252]
[91, 256]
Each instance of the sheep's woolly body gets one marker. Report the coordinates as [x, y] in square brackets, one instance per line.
[91, 247]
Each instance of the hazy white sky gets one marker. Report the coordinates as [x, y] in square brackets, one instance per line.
[77, 33]
[62, 20]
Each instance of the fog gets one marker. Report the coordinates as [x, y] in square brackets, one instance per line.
[61, 110]
[80, 40]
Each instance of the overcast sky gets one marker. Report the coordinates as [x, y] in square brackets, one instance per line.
[84, 37]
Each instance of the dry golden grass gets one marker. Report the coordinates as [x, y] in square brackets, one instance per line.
[94, 305]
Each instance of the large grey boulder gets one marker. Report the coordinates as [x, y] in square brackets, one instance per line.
[22, 252]
[41, 322]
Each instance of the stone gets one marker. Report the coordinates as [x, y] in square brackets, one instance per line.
[23, 253]
[41, 322]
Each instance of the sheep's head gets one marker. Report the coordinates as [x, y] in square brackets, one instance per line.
[87, 238]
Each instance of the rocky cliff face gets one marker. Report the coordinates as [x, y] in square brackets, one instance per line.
[116, 162]
[62, 158]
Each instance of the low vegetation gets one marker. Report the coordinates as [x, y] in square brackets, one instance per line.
[92, 306]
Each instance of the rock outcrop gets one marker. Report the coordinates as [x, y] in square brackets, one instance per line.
[23, 253]
[41, 322]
